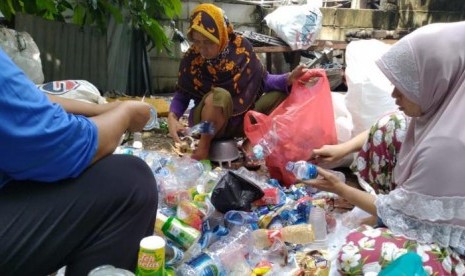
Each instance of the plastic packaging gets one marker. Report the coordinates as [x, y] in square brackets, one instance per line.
[265, 146]
[203, 264]
[137, 140]
[151, 257]
[223, 257]
[302, 170]
[317, 219]
[109, 270]
[204, 127]
[272, 197]
[176, 230]
[153, 121]
[297, 234]
[187, 171]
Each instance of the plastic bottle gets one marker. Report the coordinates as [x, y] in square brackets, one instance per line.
[297, 234]
[109, 270]
[204, 127]
[176, 230]
[187, 171]
[317, 219]
[151, 257]
[153, 121]
[265, 146]
[302, 170]
[223, 257]
[203, 264]
[137, 140]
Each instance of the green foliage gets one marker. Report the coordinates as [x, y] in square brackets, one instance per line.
[140, 14]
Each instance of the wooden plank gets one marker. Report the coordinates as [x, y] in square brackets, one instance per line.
[318, 45]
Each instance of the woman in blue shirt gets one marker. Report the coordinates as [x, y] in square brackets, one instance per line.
[65, 200]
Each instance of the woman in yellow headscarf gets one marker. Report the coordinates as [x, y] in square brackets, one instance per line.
[224, 77]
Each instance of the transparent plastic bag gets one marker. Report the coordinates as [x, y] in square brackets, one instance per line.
[22, 49]
[297, 25]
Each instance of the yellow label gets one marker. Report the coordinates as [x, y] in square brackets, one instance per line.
[151, 262]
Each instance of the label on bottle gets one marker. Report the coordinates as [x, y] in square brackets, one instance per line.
[204, 265]
[180, 233]
[151, 257]
[311, 173]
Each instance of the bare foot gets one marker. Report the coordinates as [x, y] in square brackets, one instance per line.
[249, 162]
[203, 148]
[199, 154]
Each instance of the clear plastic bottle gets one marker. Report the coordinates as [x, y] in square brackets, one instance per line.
[302, 170]
[317, 219]
[223, 257]
[204, 264]
[265, 146]
[204, 127]
[109, 270]
[187, 170]
[137, 140]
[297, 234]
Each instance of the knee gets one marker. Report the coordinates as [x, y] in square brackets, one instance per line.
[209, 100]
[134, 177]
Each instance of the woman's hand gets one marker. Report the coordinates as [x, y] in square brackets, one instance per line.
[329, 153]
[298, 72]
[326, 181]
[174, 127]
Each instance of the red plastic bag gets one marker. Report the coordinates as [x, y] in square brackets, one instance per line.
[302, 122]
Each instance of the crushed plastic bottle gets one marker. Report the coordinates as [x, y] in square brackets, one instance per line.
[153, 121]
[302, 170]
[204, 127]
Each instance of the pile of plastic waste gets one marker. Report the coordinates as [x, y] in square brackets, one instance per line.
[283, 231]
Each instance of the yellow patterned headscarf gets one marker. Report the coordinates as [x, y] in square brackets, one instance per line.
[236, 69]
[211, 21]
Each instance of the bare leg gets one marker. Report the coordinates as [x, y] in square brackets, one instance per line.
[214, 115]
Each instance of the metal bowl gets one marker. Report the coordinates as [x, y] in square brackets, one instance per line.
[224, 151]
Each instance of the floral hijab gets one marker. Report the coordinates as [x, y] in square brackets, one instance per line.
[237, 68]
[428, 67]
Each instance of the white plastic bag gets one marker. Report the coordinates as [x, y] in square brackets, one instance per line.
[343, 117]
[368, 94]
[74, 89]
[297, 25]
[22, 49]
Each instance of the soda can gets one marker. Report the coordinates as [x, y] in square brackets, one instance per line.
[151, 258]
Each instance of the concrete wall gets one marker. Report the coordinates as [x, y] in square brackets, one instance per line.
[411, 14]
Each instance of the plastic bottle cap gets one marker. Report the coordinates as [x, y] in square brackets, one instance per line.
[290, 166]
[159, 222]
[152, 242]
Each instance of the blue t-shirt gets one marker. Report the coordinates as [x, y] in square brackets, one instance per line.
[39, 140]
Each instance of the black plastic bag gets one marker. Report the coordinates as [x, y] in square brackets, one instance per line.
[234, 192]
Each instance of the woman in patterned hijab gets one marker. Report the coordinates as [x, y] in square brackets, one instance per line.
[424, 213]
[224, 77]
